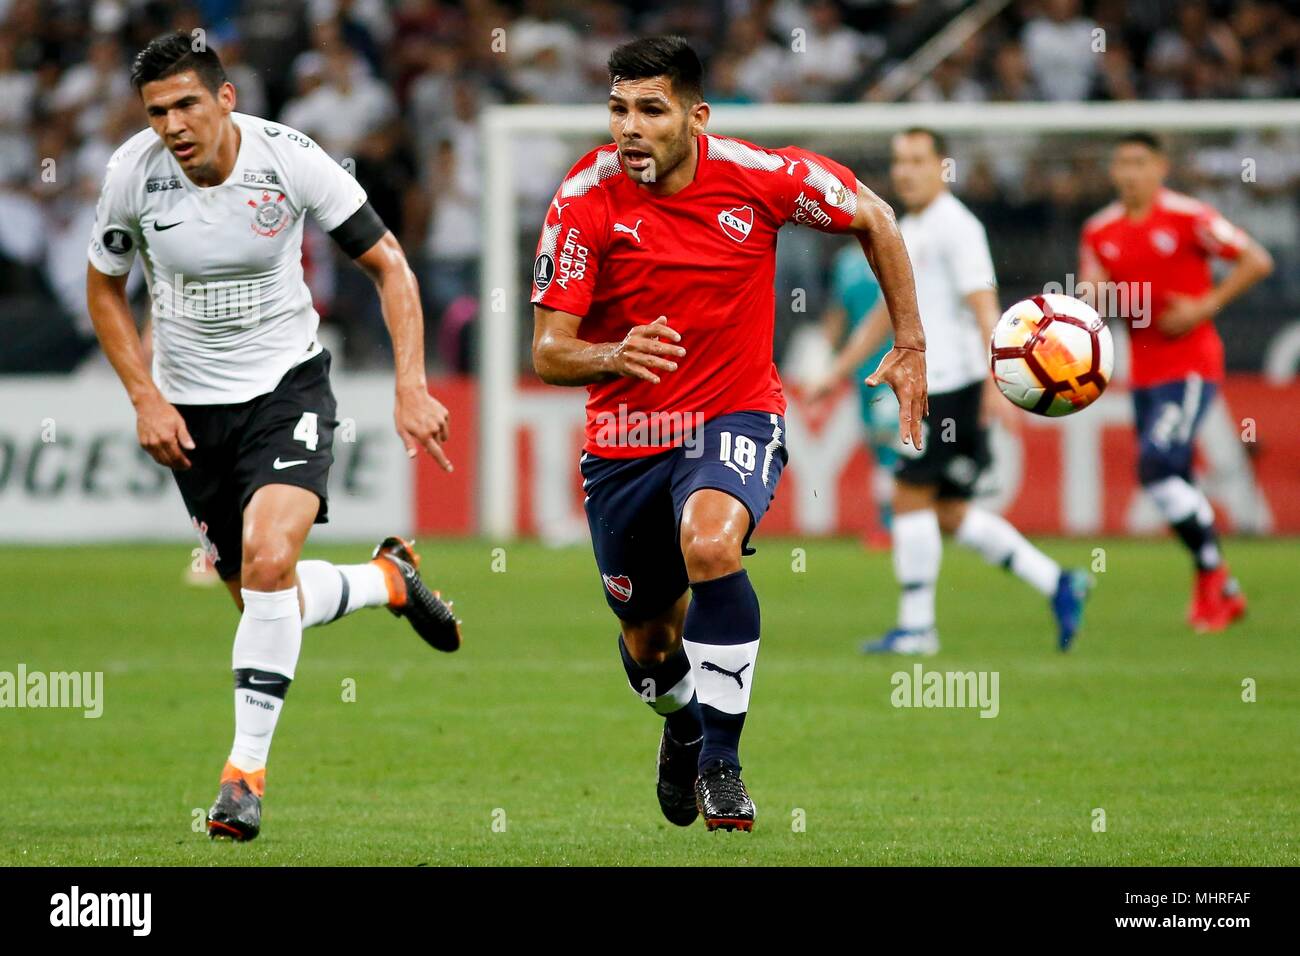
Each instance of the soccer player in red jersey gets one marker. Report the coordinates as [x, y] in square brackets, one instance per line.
[1153, 246]
[653, 287]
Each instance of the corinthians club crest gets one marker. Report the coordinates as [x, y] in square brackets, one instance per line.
[269, 214]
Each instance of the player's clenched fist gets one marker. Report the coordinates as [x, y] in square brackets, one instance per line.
[903, 370]
[644, 349]
[422, 423]
[163, 434]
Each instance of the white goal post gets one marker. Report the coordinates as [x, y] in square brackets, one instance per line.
[504, 282]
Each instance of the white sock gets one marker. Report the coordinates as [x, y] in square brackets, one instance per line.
[265, 656]
[997, 540]
[330, 591]
[1181, 502]
[918, 549]
[1178, 500]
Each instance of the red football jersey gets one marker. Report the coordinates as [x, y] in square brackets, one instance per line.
[1170, 249]
[704, 257]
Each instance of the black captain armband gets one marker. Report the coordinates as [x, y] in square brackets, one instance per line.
[359, 232]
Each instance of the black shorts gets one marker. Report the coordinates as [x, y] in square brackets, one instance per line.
[954, 446]
[284, 437]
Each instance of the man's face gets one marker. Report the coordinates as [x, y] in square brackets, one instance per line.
[1137, 172]
[187, 117]
[652, 127]
[916, 169]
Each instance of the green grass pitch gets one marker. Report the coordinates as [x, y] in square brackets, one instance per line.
[527, 747]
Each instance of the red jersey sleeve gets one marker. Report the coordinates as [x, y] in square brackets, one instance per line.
[564, 271]
[1215, 236]
[816, 191]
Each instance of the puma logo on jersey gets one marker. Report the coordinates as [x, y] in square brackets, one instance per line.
[735, 675]
[789, 170]
[279, 465]
[559, 209]
[630, 230]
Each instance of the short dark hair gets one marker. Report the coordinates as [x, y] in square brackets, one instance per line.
[174, 53]
[669, 56]
[938, 139]
[1142, 138]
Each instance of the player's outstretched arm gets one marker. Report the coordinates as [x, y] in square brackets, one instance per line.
[903, 367]
[159, 426]
[561, 358]
[420, 418]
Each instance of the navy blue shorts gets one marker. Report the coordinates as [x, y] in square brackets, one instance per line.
[634, 505]
[1167, 417]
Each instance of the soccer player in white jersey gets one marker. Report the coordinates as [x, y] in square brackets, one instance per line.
[239, 403]
[957, 294]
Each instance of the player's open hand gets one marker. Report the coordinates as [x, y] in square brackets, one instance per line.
[162, 433]
[903, 370]
[647, 349]
[422, 423]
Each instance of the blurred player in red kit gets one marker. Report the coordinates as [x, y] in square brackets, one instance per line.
[1158, 244]
[653, 287]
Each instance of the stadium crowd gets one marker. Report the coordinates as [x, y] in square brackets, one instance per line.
[396, 86]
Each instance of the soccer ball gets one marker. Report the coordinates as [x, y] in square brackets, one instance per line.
[1052, 355]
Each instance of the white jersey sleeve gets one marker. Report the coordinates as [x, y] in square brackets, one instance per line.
[116, 236]
[970, 264]
[323, 188]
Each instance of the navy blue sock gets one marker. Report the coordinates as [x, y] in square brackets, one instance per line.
[1201, 540]
[663, 686]
[721, 637]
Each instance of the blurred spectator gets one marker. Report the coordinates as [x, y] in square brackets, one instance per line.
[1059, 48]
[723, 87]
[1012, 81]
[87, 89]
[759, 63]
[1179, 54]
[608, 28]
[831, 57]
[544, 55]
[364, 25]
[451, 245]
[249, 88]
[952, 80]
[17, 99]
[271, 32]
[430, 100]
[345, 108]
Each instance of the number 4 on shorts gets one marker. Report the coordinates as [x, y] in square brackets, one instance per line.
[305, 430]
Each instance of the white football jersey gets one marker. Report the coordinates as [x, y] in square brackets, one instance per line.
[231, 312]
[950, 259]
